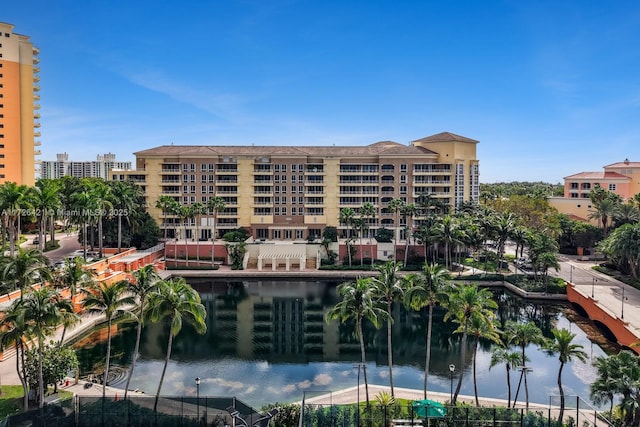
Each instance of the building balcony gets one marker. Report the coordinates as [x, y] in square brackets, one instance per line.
[170, 181]
[36, 97]
[36, 116]
[36, 70]
[36, 88]
[37, 152]
[170, 170]
[35, 50]
[36, 60]
[37, 135]
[36, 78]
[37, 143]
[36, 106]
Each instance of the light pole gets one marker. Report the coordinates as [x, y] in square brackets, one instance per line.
[622, 311]
[571, 274]
[452, 369]
[198, 399]
[593, 285]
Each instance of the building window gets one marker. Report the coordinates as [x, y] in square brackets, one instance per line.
[574, 186]
[612, 187]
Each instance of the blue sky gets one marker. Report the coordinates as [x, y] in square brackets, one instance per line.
[549, 88]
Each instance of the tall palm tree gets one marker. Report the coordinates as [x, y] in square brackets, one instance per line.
[144, 282]
[195, 211]
[427, 292]
[103, 199]
[13, 201]
[511, 359]
[562, 345]
[84, 204]
[14, 331]
[368, 210]
[358, 303]
[389, 287]
[45, 200]
[408, 212]
[168, 206]
[446, 232]
[26, 268]
[74, 277]
[603, 212]
[111, 301]
[214, 206]
[480, 329]
[503, 227]
[396, 204]
[179, 302]
[622, 246]
[43, 309]
[465, 302]
[347, 217]
[124, 203]
[185, 215]
[523, 334]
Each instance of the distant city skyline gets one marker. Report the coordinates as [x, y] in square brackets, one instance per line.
[549, 89]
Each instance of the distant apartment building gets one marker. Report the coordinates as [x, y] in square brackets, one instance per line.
[18, 107]
[98, 168]
[293, 192]
[622, 178]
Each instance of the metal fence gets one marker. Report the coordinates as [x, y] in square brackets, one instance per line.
[139, 411]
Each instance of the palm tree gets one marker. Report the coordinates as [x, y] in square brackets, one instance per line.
[45, 200]
[75, 277]
[84, 203]
[623, 247]
[110, 301]
[102, 196]
[523, 334]
[427, 293]
[347, 217]
[368, 210]
[127, 196]
[195, 211]
[408, 212]
[15, 332]
[167, 205]
[13, 201]
[43, 309]
[480, 328]
[214, 206]
[358, 303]
[446, 231]
[179, 302]
[396, 205]
[603, 211]
[510, 359]
[503, 227]
[562, 345]
[24, 269]
[465, 302]
[184, 213]
[389, 287]
[145, 280]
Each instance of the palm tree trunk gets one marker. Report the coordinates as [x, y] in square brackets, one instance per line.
[100, 236]
[23, 381]
[463, 354]
[475, 381]
[390, 349]
[561, 414]
[40, 373]
[197, 245]
[363, 361]
[106, 366]
[526, 390]
[164, 370]
[186, 245]
[508, 386]
[136, 348]
[428, 356]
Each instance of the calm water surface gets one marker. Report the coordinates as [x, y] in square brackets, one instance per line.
[267, 342]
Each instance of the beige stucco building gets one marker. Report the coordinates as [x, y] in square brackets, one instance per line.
[293, 192]
[621, 178]
[18, 107]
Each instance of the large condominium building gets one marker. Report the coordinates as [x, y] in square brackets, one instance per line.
[293, 192]
[18, 107]
[98, 168]
[621, 178]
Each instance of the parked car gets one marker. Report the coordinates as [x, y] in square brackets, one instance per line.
[36, 241]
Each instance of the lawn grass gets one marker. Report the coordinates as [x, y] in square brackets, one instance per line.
[11, 399]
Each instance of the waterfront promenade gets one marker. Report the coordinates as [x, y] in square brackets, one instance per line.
[607, 292]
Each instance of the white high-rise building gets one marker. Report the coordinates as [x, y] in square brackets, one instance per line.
[98, 168]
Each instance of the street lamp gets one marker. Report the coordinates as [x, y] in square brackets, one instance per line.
[198, 399]
[452, 369]
[593, 285]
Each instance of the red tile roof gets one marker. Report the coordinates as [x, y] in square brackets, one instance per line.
[625, 164]
[446, 137]
[598, 175]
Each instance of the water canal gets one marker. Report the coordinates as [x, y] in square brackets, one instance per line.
[267, 342]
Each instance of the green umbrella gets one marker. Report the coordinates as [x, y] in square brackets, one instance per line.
[429, 408]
